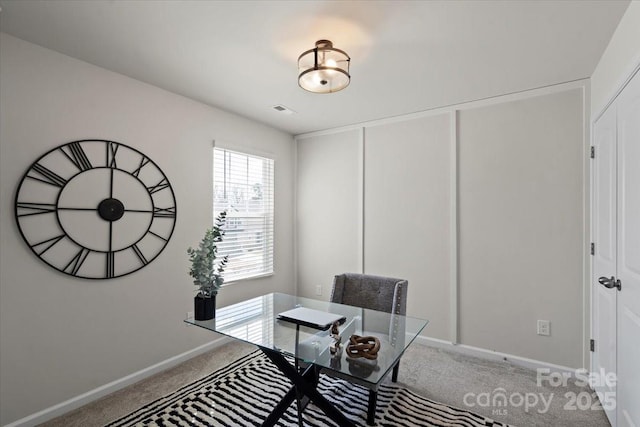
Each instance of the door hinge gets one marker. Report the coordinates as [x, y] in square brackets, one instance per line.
[593, 249]
[592, 345]
[593, 152]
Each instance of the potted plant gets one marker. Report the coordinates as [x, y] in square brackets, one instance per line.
[207, 268]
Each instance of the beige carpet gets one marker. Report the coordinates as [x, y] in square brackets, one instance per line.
[436, 374]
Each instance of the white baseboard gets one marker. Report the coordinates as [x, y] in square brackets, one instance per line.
[95, 394]
[493, 355]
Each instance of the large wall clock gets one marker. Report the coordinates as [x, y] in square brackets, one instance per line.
[95, 209]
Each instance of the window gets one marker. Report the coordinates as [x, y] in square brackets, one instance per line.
[243, 186]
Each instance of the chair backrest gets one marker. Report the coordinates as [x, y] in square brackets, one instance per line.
[373, 292]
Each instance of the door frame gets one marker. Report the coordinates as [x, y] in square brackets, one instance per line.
[590, 318]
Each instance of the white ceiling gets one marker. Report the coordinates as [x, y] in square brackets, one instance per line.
[406, 56]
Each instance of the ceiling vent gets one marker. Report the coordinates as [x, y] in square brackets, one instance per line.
[282, 109]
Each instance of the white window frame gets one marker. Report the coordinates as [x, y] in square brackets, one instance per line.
[268, 215]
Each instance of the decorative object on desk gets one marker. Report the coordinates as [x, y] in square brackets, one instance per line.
[206, 271]
[334, 348]
[336, 361]
[366, 347]
[95, 209]
[236, 386]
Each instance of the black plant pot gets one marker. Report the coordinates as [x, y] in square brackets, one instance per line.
[204, 307]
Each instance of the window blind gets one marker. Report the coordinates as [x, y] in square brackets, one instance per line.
[243, 186]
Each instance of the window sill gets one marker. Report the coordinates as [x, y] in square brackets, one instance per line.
[244, 279]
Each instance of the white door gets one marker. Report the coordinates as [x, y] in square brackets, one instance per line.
[628, 253]
[604, 260]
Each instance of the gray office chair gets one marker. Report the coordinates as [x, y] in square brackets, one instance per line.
[372, 292]
[375, 293]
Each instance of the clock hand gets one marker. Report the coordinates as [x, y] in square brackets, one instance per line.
[139, 210]
[111, 184]
[110, 261]
[62, 208]
[157, 212]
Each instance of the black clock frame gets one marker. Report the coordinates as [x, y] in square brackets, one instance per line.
[109, 209]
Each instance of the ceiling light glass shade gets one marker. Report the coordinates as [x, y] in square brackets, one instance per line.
[323, 69]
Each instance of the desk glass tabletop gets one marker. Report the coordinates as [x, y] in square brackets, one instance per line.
[255, 321]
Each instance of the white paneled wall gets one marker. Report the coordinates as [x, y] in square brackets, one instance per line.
[520, 200]
[329, 210]
[481, 206]
[407, 211]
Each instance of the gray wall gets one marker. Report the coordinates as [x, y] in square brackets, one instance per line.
[480, 206]
[329, 235]
[521, 224]
[60, 336]
[407, 212]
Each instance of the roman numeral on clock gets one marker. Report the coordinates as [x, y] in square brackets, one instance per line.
[43, 246]
[158, 236]
[76, 262]
[77, 156]
[112, 150]
[164, 212]
[159, 186]
[143, 162]
[139, 254]
[110, 266]
[28, 209]
[43, 174]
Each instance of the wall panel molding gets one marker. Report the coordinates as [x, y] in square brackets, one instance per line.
[453, 319]
[453, 228]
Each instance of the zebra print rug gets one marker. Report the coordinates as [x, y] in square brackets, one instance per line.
[245, 392]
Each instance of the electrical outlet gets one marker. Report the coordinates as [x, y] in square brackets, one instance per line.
[319, 290]
[189, 314]
[544, 327]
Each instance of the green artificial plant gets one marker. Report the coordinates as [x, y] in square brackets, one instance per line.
[206, 272]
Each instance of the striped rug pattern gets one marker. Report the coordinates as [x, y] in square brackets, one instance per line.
[245, 392]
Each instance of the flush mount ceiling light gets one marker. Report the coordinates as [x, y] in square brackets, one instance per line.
[323, 69]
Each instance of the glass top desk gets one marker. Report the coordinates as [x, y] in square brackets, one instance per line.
[255, 321]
